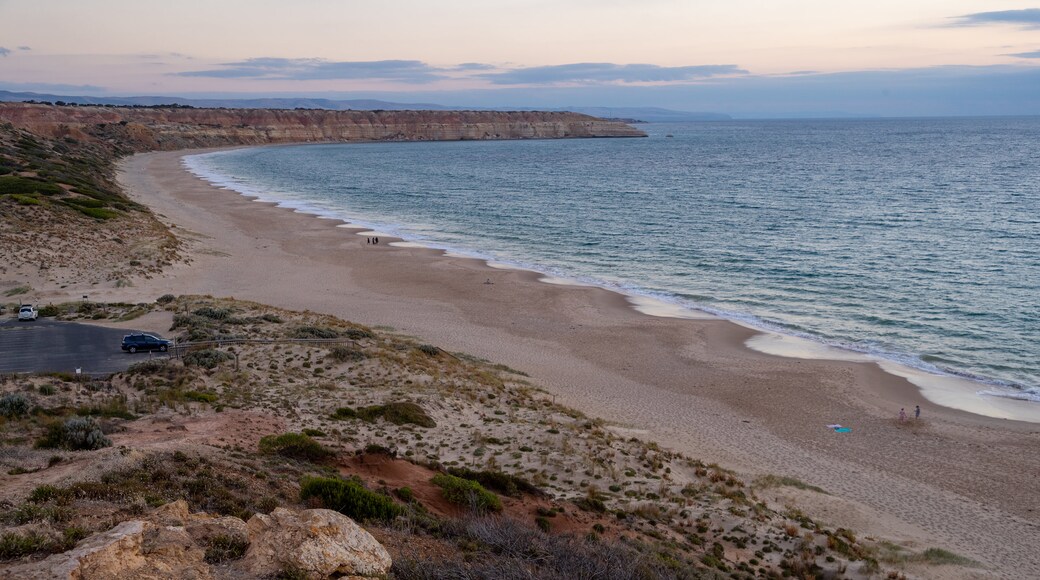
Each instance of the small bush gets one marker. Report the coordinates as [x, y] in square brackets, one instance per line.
[377, 449]
[344, 413]
[314, 332]
[429, 349]
[350, 498]
[14, 545]
[75, 434]
[543, 524]
[398, 414]
[165, 299]
[14, 405]
[225, 548]
[97, 212]
[503, 483]
[342, 353]
[294, 446]
[466, 492]
[314, 432]
[199, 397]
[14, 184]
[405, 494]
[147, 367]
[49, 311]
[213, 313]
[207, 358]
[358, 333]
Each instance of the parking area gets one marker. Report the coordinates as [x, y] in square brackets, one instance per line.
[53, 346]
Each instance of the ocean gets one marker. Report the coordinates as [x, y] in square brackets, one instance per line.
[916, 241]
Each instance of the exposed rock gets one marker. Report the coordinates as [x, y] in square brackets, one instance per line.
[320, 542]
[131, 550]
[202, 527]
[179, 128]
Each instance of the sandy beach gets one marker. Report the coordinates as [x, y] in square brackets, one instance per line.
[955, 480]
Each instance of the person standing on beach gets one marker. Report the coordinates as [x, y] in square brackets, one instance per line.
[917, 412]
[902, 415]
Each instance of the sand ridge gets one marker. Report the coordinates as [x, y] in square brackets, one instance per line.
[959, 481]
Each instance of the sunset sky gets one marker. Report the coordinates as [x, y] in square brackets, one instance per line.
[741, 56]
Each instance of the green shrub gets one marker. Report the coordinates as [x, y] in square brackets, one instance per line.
[398, 414]
[344, 413]
[358, 333]
[377, 449]
[314, 332]
[26, 199]
[49, 310]
[543, 524]
[15, 184]
[14, 545]
[14, 405]
[199, 397]
[503, 483]
[75, 434]
[350, 498]
[294, 446]
[213, 313]
[207, 358]
[165, 299]
[314, 432]
[467, 492]
[405, 494]
[97, 212]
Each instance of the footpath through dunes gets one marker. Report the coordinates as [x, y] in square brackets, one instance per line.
[149, 129]
[961, 482]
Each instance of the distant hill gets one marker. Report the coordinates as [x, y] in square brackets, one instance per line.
[649, 114]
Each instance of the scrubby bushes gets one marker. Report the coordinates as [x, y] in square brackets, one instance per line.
[429, 349]
[206, 358]
[342, 353]
[350, 498]
[77, 433]
[344, 413]
[466, 492]
[398, 414]
[503, 483]
[294, 446]
[14, 405]
[213, 313]
[166, 299]
[314, 332]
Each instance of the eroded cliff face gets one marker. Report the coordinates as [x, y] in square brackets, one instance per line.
[176, 128]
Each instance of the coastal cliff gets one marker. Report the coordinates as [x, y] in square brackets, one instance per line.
[150, 129]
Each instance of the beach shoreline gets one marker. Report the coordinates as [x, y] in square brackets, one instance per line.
[692, 385]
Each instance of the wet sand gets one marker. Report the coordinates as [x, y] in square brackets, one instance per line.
[955, 480]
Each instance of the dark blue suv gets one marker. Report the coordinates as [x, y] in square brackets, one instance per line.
[136, 342]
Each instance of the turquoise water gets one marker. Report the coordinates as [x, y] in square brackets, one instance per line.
[913, 240]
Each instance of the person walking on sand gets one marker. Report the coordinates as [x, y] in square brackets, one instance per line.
[902, 415]
[917, 412]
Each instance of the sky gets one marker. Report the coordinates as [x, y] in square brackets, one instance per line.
[743, 57]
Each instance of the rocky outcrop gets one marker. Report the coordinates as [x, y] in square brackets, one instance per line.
[319, 542]
[131, 550]
[174, 543]
[179, 128]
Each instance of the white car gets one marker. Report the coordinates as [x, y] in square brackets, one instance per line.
[27, 312]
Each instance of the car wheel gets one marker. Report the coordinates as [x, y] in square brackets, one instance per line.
[162, 348]
[132, 349]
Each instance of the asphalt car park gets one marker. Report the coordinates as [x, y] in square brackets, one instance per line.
[52, 346]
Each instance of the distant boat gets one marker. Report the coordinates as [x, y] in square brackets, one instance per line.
[669, 135]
